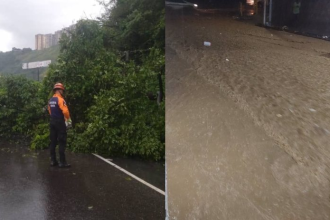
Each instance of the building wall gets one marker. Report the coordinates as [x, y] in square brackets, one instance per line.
[39, 42]
[57, 37]
[48, 40]
[314, 15]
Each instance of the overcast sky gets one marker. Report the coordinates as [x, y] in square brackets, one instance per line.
[21, 20]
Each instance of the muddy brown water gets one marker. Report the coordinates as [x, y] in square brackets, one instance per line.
[248, 121]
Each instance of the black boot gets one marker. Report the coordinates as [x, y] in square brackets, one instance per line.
[53, 163]
[64, 165]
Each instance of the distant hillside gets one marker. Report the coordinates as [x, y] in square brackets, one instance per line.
[11, 62]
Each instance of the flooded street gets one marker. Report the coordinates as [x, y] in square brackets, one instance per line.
[247, 121]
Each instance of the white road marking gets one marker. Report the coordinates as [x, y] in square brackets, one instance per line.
[130, 174]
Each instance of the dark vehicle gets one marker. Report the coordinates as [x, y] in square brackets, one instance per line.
[179, 4]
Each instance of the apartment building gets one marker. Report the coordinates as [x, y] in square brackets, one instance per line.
[48, 40]
[43, 41]
[57, 36]
[39, 42]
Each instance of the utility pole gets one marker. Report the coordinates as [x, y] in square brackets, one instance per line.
[265, 11]
[270, 12]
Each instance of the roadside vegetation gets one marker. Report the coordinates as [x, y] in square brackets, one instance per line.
[113, 70]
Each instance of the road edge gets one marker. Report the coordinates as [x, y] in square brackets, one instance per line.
[130, 174]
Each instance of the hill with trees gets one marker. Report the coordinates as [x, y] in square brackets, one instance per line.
[11, 62]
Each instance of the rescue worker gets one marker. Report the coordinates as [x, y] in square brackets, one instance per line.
[59, 121]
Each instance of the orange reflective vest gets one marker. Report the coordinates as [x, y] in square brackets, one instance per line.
[57, 108]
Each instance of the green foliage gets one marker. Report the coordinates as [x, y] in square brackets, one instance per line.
[40, 137]
[19, 106]
[82, 66]
[111, 101]
[135, 24]
[123, 120]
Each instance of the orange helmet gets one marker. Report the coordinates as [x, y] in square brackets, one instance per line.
[58, 86]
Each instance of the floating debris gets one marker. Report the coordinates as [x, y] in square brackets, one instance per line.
[227, 60]
[90, 207]
[312, 110]
[279, 115]
[206, 43]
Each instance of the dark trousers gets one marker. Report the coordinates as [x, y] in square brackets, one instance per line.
[57, 136]
[295, 20]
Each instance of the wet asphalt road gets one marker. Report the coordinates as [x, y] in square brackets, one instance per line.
[90, 189]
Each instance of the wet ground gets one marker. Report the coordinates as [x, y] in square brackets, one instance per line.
[149, 171]
[247, 121]
[90, 189]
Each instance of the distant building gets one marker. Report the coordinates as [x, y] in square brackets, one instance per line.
[48, 40]
[39, 42]
[57, 36]
[43, 41]
[15, 49]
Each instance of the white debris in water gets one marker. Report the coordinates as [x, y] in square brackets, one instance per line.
[227, 60]
[312, 110]
[279, 115]
[291, 110]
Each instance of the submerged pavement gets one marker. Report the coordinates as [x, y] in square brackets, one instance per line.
[247, 121]
[90, 189]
